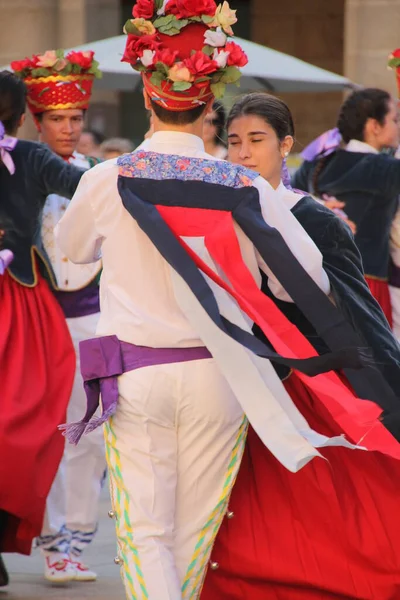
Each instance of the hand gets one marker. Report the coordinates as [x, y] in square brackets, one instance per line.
[336, 206]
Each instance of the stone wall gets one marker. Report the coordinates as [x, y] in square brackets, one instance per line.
[311, 30]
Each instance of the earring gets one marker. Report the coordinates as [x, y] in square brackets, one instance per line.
[286, 154]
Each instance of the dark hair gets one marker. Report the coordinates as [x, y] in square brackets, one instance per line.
[12, 100]
[182, 117]
[219, 123]
[269, 108]
[361, 105]
[98, 137]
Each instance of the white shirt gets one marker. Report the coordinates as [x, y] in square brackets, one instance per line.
[70, 277]
[358, 146]
[136, 293]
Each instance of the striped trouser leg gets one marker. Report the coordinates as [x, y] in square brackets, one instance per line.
[173, 450]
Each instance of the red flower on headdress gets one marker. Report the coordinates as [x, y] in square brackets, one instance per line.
[20, 65]
[184, 9]
[143, 9]
[396, 53]
[83, 59]
[166, 56]
[237, 57]
[200, 64]
[135, 46]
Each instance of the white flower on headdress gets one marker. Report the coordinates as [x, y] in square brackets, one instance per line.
[215, 38]
[161, 11]
[147, 58]
[221, 58]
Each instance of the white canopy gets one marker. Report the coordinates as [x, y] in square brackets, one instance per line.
[267, 69]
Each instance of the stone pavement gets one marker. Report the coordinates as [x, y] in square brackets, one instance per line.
[26, 572]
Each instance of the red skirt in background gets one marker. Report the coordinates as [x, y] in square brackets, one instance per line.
[329, 532]
[380, 291]
[37, 366]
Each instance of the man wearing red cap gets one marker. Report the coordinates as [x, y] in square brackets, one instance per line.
[59, 91]
[182, 237]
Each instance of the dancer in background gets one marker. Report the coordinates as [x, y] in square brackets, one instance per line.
[37, 360]
[58, 95]
[327, 531]
[362, 177]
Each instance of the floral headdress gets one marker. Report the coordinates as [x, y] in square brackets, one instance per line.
[394, 63]
[56, 81]
[183, 50]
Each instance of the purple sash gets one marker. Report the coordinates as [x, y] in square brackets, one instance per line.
[79, 303]
[103, 360]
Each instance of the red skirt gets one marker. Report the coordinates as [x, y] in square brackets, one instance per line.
[380, 291]
[330, 531]
[37, 365]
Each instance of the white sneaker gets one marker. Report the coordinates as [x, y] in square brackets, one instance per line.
[81, 571]
[58, 568]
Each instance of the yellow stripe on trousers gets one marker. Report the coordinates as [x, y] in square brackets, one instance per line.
[120, 501]
[197, 568]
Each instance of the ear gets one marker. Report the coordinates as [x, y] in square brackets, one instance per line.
[22, 120]
[147, 102]
[209, 106]
[286, 146]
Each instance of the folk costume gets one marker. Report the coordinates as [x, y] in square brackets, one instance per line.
[37, 359]
[327, 531]
[58, 82]
[369, 184]
[175, 360]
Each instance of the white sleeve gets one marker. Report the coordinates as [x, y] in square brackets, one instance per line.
[278, 215]
[76, 232]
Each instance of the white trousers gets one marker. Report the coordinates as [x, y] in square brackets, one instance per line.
[72, 508]
[173, 448]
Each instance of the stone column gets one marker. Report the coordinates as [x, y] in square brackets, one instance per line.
[311, 30]
[372, 31]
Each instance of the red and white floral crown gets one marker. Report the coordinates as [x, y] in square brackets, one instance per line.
[394, 63]
[56, 81]
[183, 50]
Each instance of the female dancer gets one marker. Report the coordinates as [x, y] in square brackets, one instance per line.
[37, 361]
[364, 178]
[331, 530]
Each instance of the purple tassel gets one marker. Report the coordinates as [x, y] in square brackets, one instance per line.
[98, 421]
[73, 431]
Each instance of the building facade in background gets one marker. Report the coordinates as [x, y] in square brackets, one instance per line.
[349, 37]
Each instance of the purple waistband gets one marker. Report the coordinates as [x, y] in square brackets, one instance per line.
[79, 303]
[102, 360]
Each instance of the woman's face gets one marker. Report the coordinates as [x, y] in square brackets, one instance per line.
[210, 127]
[254, 144]
[387, 135]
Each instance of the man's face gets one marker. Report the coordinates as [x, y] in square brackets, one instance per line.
[61, 130]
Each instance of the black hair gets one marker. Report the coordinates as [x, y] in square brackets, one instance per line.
[39, 116]
[182, 117]
[361, 105]
[220, 121]
[98, 137]
[13, 93]
[272, 110]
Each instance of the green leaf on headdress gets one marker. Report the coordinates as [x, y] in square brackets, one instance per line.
[218, 89]
[60, 53]
[75, 69]
[173, 27]
[207, 19]
[139, 67]
[40, 72]
[231, 75]
[43, 91]
[201, 79]
[181, 86]
[131, 29]
[209, 50]
[394, 62]
[159, 4]
[195, 19]
[162, 68]
[164, 21]
[157, 78]
[67, 70]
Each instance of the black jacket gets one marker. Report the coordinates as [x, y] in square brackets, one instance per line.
[369, 184]
[38, 173]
